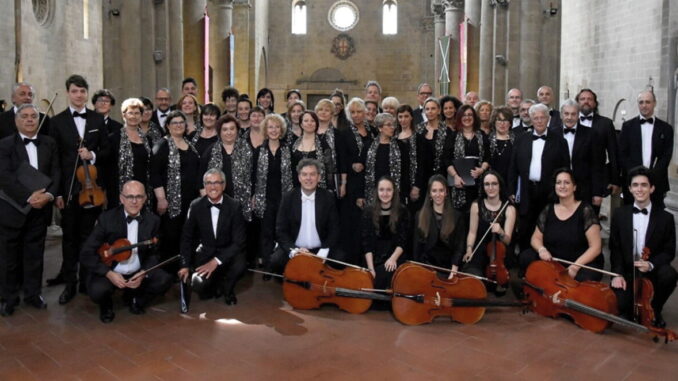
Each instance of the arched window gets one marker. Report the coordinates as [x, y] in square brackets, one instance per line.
[298, 17]
[390, 17]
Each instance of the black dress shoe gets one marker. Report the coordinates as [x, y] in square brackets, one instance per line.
[136, 307]
[6, 309]
[57, 280]
[230, 299]
[36, 302]
[106, 314]
[659, 321]
[69, 293]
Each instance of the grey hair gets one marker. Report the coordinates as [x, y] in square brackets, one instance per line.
[25, 106]
[509, 92]
[214, 171]
[165, 89]
[382, 118]
[303, 163]
[19, 84]
[373, 83]
[538, 107]
[528, 100]
[354, 101]
[569, 103]
[422, 85]
[390, 101]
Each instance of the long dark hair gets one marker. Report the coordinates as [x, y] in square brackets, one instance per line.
[395, 206]
[426, 212]
[460, 114]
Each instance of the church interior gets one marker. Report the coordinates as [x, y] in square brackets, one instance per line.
[618, 48]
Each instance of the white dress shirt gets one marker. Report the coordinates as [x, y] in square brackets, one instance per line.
[214, 213]
[161, 118]
[569, 138]
[308, 233]
[646, 130]
[586, 122]
[32, 151]
[640, 222]
[535, 162]
[80, 124]
[132, 264]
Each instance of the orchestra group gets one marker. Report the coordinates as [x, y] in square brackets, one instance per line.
[369, 182]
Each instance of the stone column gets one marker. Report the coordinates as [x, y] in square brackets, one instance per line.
[500, 54]
[439, 27]
[175, 53]
[241, 27]
[473, 10]
[220, 49]
[454, 15]
[486, 57]
[530, 46]
[193, 12]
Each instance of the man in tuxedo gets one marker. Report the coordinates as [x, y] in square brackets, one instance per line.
[163, 106]
[587, 167]
[215, 226]
[73, 125]
[424, 91]
[22, 93]
[605, 142]
[545, 96]
[633, 228]
[23, 233]
[648, 141]
[471, 98]
[513, 99]
[103, 101]
[535, 158]
[131, 221]
[307, 220]
[525, 124]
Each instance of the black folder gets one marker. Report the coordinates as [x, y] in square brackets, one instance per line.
[30, 178]
[463, 166]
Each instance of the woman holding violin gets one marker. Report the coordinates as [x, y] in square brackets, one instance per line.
[567, 229]
[489, 214]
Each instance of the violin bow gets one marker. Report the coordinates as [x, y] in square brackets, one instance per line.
[75, 168]
[585, 266]
[489, 229]
[335, 261]
[49, 107]
[452, 271]
[163, 263]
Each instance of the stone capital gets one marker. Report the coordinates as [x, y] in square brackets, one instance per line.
[453, 5]
[223, 3]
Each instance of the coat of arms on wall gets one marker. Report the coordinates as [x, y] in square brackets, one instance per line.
[343, 46]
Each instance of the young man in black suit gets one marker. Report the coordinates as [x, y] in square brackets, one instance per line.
[22, 93]
[307, 219]
[22, 245]
[68, 128]
[633, 228]
[535, 157]
[648, 141]
[215, 225]
[135, 223]
[588, 168]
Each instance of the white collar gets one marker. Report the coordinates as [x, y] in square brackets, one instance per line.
[310, 197]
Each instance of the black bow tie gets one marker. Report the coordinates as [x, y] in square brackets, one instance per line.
[542, 137]
[34, 141]
[527, 128]
[569, 130]
[162, 115]
[129, 219]
[216, 205]
[516, 116]
[588, 117]
[636, 211]
[77, 114]
[648, 120]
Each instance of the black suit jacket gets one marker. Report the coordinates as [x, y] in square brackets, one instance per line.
[288, 220]
[587, 166]
[607, 148]
[155, 120]
[230, 239]
[12, 154]
[555, 120]
[554, 156]
[64, 131]
[660, 238]
[112, 226]
[8, 123]
[112, 125]
[631, 150]
[417, 116]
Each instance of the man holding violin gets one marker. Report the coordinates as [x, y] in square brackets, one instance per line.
[130, 221]
[26, 211]
[635, 228]
[82, 138]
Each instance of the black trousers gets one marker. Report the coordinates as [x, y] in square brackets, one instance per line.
[156, 283]
[225, 276]
[170, 238]
[528, 256]
[23, 248]
[528, 221]
[663, 280]
[267, 232]
[77, 224]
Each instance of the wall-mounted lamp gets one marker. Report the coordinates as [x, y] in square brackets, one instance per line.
[114, 12]
[551, 10]
[501, 59]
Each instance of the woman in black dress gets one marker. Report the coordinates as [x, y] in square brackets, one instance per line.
[433, 144]
[273, 178]
[500, 142]
[385, 232]
[440, 230]
[568, 229]
[254, 135]
[175, 178]
[468, 142]
[484, 110]
[243, 108]
[328, 140]
[130, 152]
[188, 104]
[292, 118]
[384, 156]
[233, 156]
[339, 119]
[209, 134]
[450, 105]
[408, 143]
[308, 146]
[149, 129]
[266, 101]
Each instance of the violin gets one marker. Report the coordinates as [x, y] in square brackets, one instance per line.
[643, 292]
[550, 291]
[120, 250]
[309, 283]
[496, 269]
[91, 195]
[419, 296]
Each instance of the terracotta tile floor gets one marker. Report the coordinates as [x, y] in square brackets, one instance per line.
[263, 338]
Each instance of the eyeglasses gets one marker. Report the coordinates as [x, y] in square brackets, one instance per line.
[134, 197]
[214, 183]
[103, 100]
[177, 123]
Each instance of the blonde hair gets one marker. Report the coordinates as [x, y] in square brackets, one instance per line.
[324, 103]
[275, 118]
[132, 103]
